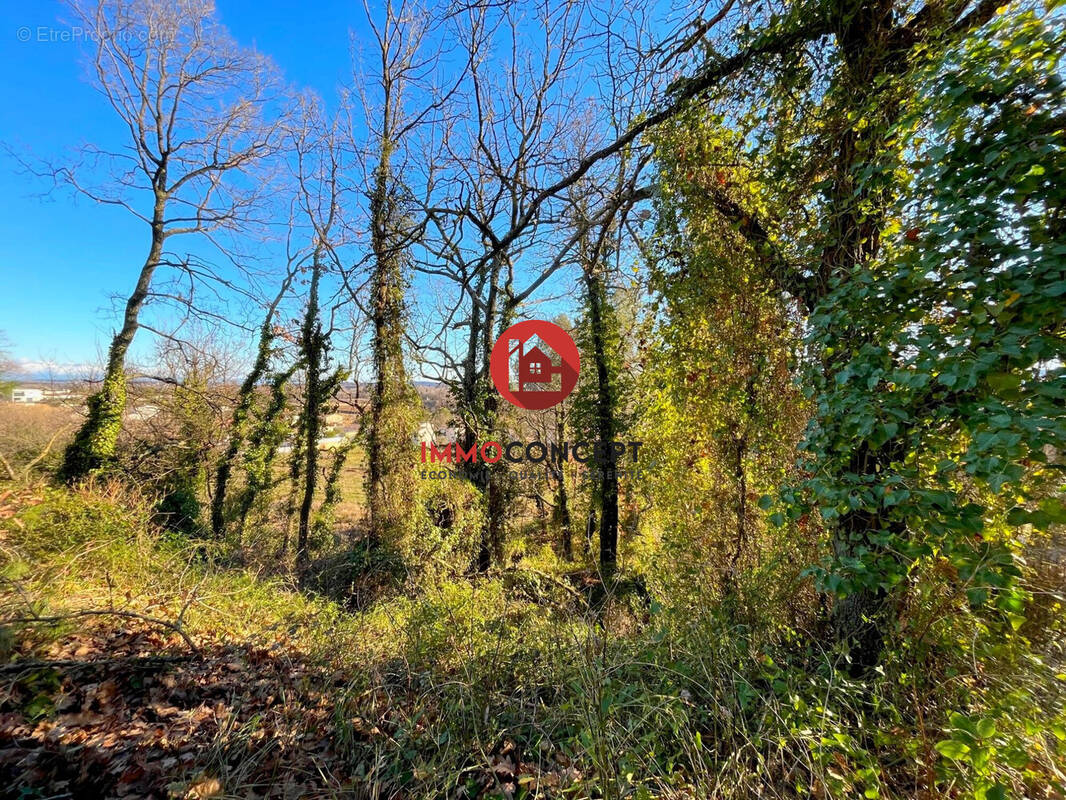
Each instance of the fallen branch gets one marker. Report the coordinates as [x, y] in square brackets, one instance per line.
[28, 469]
[548, 577]
[7, 466]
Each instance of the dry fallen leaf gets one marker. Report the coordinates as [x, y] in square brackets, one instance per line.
[204, 788]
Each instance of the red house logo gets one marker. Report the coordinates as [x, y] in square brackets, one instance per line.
[535, 364]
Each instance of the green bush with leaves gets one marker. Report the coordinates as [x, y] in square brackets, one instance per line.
[946, 352]
[445, 533]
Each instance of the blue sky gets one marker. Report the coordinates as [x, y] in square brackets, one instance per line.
[62, 258]
[67, 264]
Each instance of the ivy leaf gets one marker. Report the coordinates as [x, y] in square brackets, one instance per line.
[953, 749]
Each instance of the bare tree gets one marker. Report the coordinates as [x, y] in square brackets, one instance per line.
[507, 131]
[197, 111]
[601, 237]
[493, 233]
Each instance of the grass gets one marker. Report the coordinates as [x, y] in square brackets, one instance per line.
[83, 550]
[506, 686]
[455, 645]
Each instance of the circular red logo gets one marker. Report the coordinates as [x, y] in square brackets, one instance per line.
[534, 364]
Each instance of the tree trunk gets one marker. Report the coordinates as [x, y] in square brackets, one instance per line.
[313, 347]
[241, 411]
[495, 505]
[740, 478]
[263, 443]
[590, 528]
[562, 505]
[855, 220]
[605, 423]
[468, 390]
[388, 442]
[94, 444]
[480, 402]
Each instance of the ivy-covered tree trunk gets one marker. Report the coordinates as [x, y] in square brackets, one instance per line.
[562, 502]
[193, 106]
[855, 217]
[313, 345]
[391, 401]
[871, 88]
[468, 394]
[479, 403]
[605, 423]
[241, 421]
[491, 480]
[241, 411]
[859, 152]
[498, 315]
[264, 439]
[94, 444]
[292, 498]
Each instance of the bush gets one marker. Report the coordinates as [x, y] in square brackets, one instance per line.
[447, 528]
[65, 520]
[358, 577]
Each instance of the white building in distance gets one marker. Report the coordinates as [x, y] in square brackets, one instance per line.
[23, 395]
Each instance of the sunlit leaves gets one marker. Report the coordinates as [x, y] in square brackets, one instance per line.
[945, 352]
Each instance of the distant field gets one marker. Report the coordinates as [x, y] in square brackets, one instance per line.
[352, 507]
[34, 431]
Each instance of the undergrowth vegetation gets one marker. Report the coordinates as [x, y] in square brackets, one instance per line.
[781, 514]
[442, 686]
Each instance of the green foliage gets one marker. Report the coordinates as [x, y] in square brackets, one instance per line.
[66, 520]
[94, 446]
[946, 351]
[721, 412]
[454, 673]
[391, 458]
[619, 309]
[267, 429]
[194, 429]
[935, 380]
[264, 435]
[331, 493]
[445, 531]
[896, 244]
[367, 573]
[394, 404]
[181, 508]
